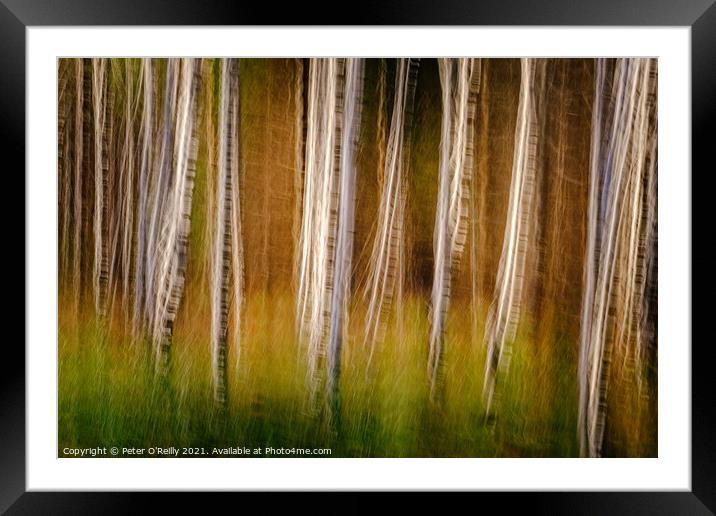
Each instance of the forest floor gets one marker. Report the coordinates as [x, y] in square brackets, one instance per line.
[109, 394]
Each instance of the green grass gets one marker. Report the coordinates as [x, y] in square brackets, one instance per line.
[110, 396]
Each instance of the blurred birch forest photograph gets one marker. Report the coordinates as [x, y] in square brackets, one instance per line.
[399, 257]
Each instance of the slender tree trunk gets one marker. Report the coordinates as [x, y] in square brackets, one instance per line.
[505, 310]
[226, 255]
[459, 79]
[612, 304]
[385, 267]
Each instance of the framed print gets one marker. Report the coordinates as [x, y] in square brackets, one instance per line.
[442, 250]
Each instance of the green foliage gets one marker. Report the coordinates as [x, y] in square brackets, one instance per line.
[110, 396]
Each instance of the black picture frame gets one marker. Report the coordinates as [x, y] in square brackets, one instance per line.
[700, 15]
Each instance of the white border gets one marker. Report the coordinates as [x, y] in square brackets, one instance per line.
[670, 471]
